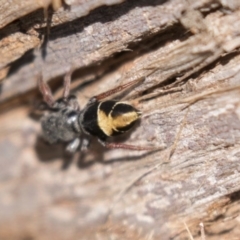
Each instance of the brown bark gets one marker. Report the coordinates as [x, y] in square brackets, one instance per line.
[187, 56]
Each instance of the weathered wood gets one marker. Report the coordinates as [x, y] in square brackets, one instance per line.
[124, 194]
[93, 40]
[24, 31]
[14, 9]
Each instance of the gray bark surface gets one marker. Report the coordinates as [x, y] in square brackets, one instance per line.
[186, 57]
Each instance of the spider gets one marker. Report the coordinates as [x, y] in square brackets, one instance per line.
[66, 122]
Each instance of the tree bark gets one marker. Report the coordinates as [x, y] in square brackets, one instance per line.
[186, 57]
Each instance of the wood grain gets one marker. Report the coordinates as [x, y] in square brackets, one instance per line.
[187, 55]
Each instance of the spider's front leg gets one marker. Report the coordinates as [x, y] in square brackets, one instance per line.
[46, 91]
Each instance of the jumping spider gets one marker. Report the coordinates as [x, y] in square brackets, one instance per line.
[66, 122]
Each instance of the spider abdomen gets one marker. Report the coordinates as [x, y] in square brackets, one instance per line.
[109, 118]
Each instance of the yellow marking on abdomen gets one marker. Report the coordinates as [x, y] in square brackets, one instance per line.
[108, 124]
[124, 120]
[103, 122]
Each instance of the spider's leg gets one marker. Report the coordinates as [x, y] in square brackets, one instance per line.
[130, 147]
[46, 91]
[66, 84]
[120, 88]
[85, 144]
[73, 145]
